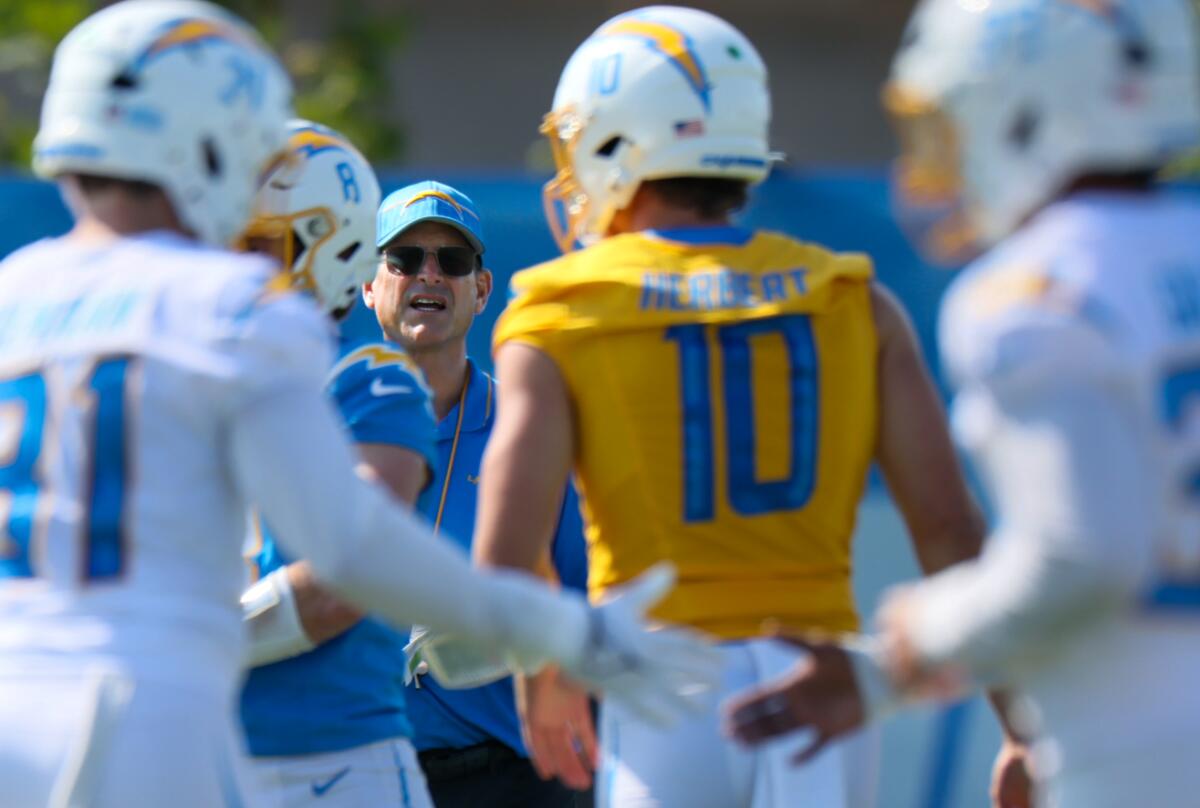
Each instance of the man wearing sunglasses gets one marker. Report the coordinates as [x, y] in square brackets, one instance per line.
[428, 289]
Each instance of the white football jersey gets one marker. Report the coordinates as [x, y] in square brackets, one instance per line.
[1101, 291]
[120, 367]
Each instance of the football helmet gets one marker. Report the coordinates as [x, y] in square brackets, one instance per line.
[321, 202]
[658, 92]
[1001, 104]
[177, 93]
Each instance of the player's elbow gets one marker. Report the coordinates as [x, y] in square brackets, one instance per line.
[949, 536]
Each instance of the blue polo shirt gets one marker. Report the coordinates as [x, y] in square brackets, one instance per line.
[453, 719]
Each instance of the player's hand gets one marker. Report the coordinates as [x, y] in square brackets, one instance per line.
[893, 618]
[556, 725]
[819, 693]
[906, 669]
[659, 675]
[1012, 776]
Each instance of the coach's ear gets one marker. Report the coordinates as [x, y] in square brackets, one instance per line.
[368, 294]
[483, 288]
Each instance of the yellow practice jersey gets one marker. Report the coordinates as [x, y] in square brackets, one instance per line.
[724, 387]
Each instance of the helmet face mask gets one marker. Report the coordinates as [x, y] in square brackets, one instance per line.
[930, 159]
[280, 237]
[1029, 96]
[926, 178]
[563, 199]
[316, 214]
[654, 93]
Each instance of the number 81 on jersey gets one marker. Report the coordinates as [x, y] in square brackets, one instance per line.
[27, 428]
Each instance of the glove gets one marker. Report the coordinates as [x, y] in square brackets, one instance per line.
[455, 664]
[659, 675]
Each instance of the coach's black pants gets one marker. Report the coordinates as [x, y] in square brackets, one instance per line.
[490, 775]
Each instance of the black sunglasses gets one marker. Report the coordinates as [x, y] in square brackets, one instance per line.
[454, 261]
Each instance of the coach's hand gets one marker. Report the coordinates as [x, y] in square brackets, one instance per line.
[658, 675]
[556, 725]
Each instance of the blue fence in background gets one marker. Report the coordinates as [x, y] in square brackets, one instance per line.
[844, 211]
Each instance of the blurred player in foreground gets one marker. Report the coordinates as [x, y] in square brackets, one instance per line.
[719, 392]
[1075, 347]
[429, 287]
[323, 710]
[153, 386]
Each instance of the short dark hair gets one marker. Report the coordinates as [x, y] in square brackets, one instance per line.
[92, 184]
[711, 197]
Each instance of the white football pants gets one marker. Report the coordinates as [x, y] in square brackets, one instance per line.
[379, 775]
[694, 765]
[104, 740]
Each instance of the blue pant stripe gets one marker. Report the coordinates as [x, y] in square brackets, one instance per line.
[948, 741]
[404, 793]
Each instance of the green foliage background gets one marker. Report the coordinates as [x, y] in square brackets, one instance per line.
[341, 77]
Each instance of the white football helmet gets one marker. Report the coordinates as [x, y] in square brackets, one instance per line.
[322, 201]
[658, 92]
[1001, 104]
[177, 93]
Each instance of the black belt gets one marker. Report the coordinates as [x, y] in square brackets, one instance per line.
[451, 764]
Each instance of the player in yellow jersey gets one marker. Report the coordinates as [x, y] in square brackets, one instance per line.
[719, 394]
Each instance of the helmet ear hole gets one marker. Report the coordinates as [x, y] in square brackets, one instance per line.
[609, 146]
[124, 81]
[212, 158]
[348, 253]
[1136, 54]
[1024, 128]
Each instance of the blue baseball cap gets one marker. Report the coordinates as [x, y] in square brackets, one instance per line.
[428, 201]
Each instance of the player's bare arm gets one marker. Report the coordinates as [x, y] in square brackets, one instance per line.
[915, 450]
[518, 502]
[518, 507]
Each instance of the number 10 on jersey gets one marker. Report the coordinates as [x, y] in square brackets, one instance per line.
[747, 495]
